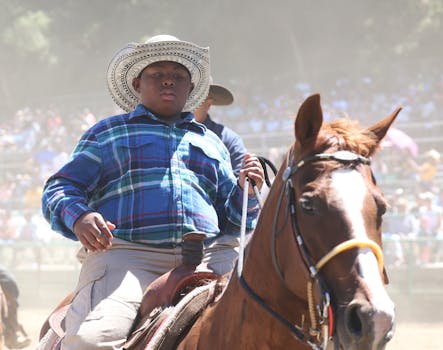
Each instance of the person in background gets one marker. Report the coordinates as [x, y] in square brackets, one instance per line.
[400, 224]
[221, 96]
[430, 218]
[138, 182]
[14, 334]
[428, 170]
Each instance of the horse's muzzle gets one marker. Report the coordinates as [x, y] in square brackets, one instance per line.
[365, 327]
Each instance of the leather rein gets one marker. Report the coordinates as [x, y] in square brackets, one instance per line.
[321, 315]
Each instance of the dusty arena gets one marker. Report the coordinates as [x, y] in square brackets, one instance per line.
[415, 291]
[409, 335]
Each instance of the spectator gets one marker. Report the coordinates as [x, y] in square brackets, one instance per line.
[400, 224]
[430, 223]
[428, 169]
[220, 96]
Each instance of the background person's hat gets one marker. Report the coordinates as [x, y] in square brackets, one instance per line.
[220, 95]
[134, 57]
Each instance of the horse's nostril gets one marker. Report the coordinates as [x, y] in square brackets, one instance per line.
[353, 320]
[368, 327]
[389, 335]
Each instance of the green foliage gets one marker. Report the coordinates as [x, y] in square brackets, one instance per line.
[63, 47]
[28, 34]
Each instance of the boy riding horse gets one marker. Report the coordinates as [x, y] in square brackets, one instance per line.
[139, 181]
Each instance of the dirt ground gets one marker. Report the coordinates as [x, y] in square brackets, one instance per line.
[418, 312]
[411, 336]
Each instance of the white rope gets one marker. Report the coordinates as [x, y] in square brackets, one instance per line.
[241, 250]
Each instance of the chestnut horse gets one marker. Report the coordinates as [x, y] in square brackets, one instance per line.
[3, 313]
[313, 274]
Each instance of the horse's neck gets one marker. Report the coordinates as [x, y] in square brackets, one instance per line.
[287, 294]
[246, 324]
[274, 236]
[236, 321]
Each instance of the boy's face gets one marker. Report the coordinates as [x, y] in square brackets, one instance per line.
[164, 88]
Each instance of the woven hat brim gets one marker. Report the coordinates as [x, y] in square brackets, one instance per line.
[220, 95]
[133, 58]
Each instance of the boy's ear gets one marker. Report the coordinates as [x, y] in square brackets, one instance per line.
[192, 87]
[136, 84]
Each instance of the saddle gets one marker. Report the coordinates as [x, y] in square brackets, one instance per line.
[173, 301]
[164, 327]
[176, 297]
[52, 331]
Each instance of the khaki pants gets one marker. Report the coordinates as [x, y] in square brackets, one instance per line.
[111, 286]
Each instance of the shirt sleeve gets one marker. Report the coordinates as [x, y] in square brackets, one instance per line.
[230, 201]
[66, 193]
[235, 209]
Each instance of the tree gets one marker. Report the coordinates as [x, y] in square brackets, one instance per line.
[62, 48]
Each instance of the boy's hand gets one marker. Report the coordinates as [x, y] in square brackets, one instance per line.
[93, 231]
[252, 169]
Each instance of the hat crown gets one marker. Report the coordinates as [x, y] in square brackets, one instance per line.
[127, 64]
[160, 38]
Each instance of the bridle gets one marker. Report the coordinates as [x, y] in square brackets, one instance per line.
[321, 315]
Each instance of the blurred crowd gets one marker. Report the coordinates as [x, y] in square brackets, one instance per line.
[414, 229]
[35, 142]
[361, 100]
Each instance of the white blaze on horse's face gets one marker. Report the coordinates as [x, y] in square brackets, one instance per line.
[350, 186]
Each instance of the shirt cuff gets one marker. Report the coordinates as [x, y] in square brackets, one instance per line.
[73, 212]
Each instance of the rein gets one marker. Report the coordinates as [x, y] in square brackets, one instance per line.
[325, 309]
[264, 163]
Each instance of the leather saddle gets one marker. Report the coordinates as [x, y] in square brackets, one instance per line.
[163, 293]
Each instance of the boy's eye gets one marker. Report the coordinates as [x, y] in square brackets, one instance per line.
[178, 77]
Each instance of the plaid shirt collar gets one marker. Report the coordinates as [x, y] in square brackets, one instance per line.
[187, 119]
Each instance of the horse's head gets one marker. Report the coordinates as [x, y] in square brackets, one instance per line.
[338, 213]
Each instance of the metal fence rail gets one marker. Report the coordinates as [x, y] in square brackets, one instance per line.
[61, 254]
[46, 272]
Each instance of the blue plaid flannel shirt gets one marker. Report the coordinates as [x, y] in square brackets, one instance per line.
[154, 181]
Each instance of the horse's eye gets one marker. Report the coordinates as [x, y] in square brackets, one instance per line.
[307, 205]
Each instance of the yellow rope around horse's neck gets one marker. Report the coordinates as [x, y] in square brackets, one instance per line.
[352, 243]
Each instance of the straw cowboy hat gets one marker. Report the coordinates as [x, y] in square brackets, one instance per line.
[220, 95]
[134, 57]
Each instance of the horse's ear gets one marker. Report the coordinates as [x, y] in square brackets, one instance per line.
[381, 128]
[309, 119]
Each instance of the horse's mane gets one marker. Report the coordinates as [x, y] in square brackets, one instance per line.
[346, 134]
